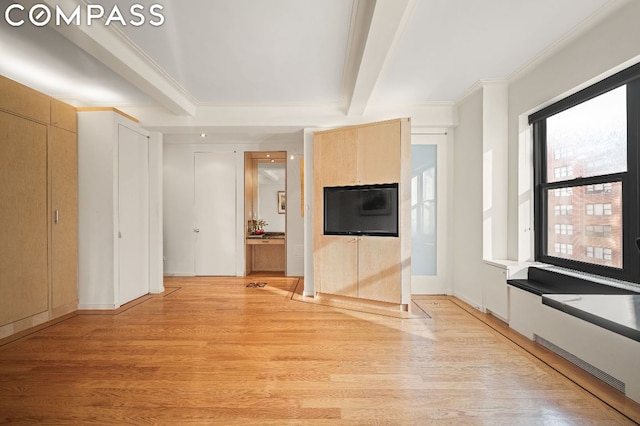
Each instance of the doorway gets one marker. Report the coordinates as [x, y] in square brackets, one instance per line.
[428, 218]
[265, 212]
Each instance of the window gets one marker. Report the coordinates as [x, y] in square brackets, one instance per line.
[563, 229]
[598, 231]
[586, 161]
[599, 209]
[599, 188]
[563, 192]
[603, 254]
[563, 152]
[563, 172]
[563, 210]
[564, 249]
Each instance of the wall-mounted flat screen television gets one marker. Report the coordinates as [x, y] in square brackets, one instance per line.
[361, 210]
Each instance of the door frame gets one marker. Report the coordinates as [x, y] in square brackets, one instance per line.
[439, 283]
[251, 161]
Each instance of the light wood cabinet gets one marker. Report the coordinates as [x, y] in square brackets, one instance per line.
[363, 267]
[266, 255]
[38, 208]
[368, 154]
[378, 155]
[24, 101]
[336, 265]
[63, 161]
[64, 116]
[336, 158]
[379, 269]
[23, 219]
[372, 268]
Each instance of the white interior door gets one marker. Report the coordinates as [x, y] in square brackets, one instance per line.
[428, 214]
[133, 214]
[215, 214]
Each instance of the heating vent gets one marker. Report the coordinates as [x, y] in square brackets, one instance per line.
[607, 378]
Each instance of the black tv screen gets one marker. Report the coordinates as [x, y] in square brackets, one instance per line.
[361, 210]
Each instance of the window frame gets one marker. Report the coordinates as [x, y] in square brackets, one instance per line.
[630, 181]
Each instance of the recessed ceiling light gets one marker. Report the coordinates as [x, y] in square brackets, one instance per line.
[203, 135]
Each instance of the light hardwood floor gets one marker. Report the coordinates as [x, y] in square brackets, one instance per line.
[212, 351]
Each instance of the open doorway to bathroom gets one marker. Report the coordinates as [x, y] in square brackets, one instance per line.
[265, 212]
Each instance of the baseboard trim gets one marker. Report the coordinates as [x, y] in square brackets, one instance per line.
[26, 332]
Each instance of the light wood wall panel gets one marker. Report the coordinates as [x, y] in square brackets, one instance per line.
[64, 116]
[379, 269]
[336, 156]
[379, 152]
[268, 258]
[372, 268]
[23, 218]
[337, 265]
[24, 101]
[38, 174]
[63, 162]
[405, 209]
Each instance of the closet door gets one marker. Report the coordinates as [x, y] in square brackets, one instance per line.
[215, 214]
[380, 269]
[63, 163]
[24, 276]
[337, 152]
[133, 214]
[379, 153]
[337, 270]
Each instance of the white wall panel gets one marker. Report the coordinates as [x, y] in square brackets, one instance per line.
[215, 213]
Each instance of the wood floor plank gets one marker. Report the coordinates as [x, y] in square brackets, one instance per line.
[212, 351]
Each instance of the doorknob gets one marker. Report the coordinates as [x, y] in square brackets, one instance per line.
[196, 230]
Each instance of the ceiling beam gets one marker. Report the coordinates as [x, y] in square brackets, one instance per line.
[373, 37]
[361, 16]
[117, 52]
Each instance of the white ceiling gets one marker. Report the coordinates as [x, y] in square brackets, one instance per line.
[346, 54]
[448, 46]
[251, 51]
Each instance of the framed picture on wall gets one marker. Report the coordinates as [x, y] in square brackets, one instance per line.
[282, 202]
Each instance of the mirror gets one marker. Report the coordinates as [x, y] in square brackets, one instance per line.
[270, 194]
[265, 192]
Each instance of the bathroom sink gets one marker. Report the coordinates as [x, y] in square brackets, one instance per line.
[273, 235]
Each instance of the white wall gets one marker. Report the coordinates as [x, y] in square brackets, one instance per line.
[98, 222]
[608, 47]
[467, 201]
[309, 288]
[605, 48]
[494, 167]
[156, 284]
[295, 219]
[179, 203]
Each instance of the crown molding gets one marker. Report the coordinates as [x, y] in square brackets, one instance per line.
[480, 84]
[588, 23]
[121, 55]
